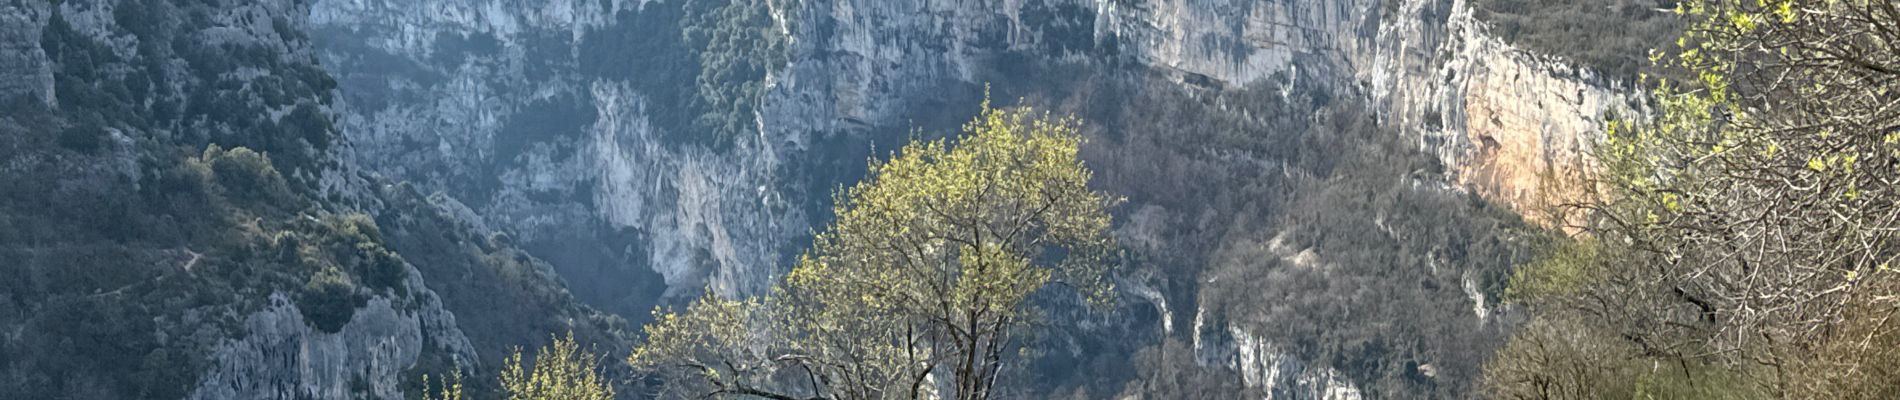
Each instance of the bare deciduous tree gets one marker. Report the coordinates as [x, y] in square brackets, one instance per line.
[1752, 223]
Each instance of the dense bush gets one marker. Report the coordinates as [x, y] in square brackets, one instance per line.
[360, 244]
[329, 300]
[246, 174]
[703, 61]
[83, 138]
[737, 44]
[502, 297]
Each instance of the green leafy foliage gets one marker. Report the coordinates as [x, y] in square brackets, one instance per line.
[926, 275]
[646, 48]
[502, 297]
[449, 389]
[1570, 266]
[738, 42]
[561, 371]
[106, 88]
[84, 138]
[329, 300]
[206, 239]
[246, 175]
[710, 56]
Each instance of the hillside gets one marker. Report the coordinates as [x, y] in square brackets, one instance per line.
[329, 198]
[177, 225]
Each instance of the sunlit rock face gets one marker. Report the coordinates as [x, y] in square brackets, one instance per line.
[1500, 117]
[1506, 121]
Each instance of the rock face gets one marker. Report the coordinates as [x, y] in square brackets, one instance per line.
[171, 190]
[1265, 367]
[558, 122]
[1508, 121]
[1498, 116]
[503, 105]
[489, 101]
[282, 357]
[24, 69]
[1502, 120]
[1282, 376]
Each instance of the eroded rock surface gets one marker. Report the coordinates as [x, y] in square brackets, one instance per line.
[280, 356]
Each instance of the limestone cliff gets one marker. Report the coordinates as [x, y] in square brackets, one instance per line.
[511, 108]
[1497, 115]
[498, 142]
[281, 357]
[489, 101]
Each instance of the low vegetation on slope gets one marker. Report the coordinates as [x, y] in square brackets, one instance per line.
[1286, 211]
[1611, 37]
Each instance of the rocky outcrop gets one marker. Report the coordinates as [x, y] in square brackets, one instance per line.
[1501, 118]
[488, 102]
[1263, 366]
[715, 220]
[1511, 124]
[281, 356]
[24, 69]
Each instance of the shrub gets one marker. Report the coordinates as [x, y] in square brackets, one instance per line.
[382, 269]
[329, 300]
[310, 124]
[85, 138]
[246, 174]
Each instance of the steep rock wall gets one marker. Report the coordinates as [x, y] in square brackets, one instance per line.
[434, 92]
[282, 357]
[1507, 121]
[490, 102]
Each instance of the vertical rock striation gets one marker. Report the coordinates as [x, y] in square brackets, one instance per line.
[491, 102]
[280, 356]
